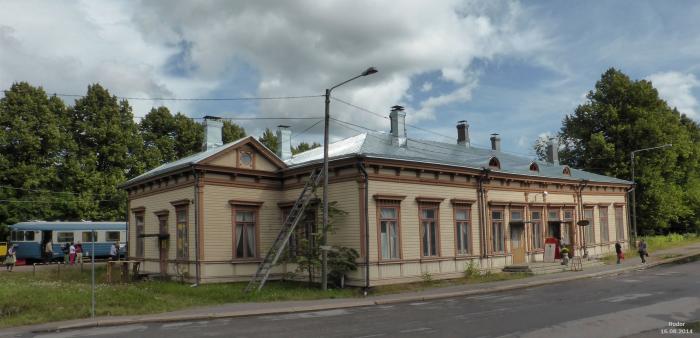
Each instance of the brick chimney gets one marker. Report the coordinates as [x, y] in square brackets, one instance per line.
[495, 142]
[463, 133]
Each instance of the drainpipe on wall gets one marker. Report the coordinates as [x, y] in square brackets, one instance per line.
[196, 228]
[481, 200]
[361, 167]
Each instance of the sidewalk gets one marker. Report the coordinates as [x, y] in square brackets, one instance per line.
[253, 309]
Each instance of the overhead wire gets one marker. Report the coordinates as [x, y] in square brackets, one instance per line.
[420, 128]
[259, 98]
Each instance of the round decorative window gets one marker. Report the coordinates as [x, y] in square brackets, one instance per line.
[246, 159]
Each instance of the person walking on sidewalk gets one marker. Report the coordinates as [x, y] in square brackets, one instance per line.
[643, 251]
[618, 251]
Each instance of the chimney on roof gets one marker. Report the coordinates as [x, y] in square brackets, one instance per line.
[495, 142]
[553, 151]
[284, 142]
[398, 126]
[463, 133]
[212, 133]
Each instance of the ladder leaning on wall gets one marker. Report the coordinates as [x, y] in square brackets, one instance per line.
[290, 223]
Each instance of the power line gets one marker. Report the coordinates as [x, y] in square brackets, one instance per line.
[50, 202]
[250, 118]
[420, 128]
[307, 129]
[49, 191]
[259, 98]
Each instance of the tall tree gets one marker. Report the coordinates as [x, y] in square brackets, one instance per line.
[622, 115]
[108, 149]
[232, 132]
[158, 131]
[269, 139]
[32, 142]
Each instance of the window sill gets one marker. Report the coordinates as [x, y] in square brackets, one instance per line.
[465, 257]
[246, 260]
[500, 254]
[433, 259]
[390, 261]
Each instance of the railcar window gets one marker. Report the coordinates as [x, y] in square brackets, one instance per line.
[63, 237]
[87, 237]
[112, 236]
[29, 236]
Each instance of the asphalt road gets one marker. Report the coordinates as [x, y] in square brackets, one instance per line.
[639, 303]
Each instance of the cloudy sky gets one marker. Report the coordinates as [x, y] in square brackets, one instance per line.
[515, 68]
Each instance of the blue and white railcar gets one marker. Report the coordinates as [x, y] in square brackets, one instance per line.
[31, 237]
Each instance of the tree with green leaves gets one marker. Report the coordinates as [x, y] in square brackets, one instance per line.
[269, 139]
[622, 115]
[232, 132]
[303, 146]
[33, 139]
[108, 151]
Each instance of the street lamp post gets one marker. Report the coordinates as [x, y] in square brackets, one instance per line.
[324, 249]
[634, 191]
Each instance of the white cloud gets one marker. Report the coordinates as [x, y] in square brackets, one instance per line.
[676, 88]
[293, 48]
[427, 86]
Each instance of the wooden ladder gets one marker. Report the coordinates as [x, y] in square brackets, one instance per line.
[290, 223]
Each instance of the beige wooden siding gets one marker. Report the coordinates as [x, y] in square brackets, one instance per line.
[409, 222]
[228, 160]
[218, 222]
[160, 202]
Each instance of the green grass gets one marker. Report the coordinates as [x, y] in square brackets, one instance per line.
[45, 297]
[27, 299]
[656, 243]
[430, 284]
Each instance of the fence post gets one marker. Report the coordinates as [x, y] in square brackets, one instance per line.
[34, 271]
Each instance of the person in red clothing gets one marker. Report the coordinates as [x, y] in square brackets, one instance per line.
[79, 253]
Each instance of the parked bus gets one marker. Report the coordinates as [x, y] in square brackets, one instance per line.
[31, 237]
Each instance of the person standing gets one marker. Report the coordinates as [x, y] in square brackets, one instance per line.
[114, 252]
[618, 251]
[643, 251]
[79, 252]
[10, 258]
[71, 254]
[48, 252]
[66, 252]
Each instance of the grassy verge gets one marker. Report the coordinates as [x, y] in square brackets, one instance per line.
[45, 297]
[27, 299]
[429, 284]
[656, 243]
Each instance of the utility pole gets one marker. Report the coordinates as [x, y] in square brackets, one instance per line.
[324, 249]
[634, 191]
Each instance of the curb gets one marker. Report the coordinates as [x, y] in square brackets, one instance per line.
[346, 305]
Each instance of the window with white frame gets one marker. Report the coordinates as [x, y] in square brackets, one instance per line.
[498, 231]
[140, 240]
[389, 231]
[619, 224]
[462, 229]
[181, 215]
[604, 232]
[429, 230]
[536, 228]
[589, 231]
[245, 225]
[88, 237]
